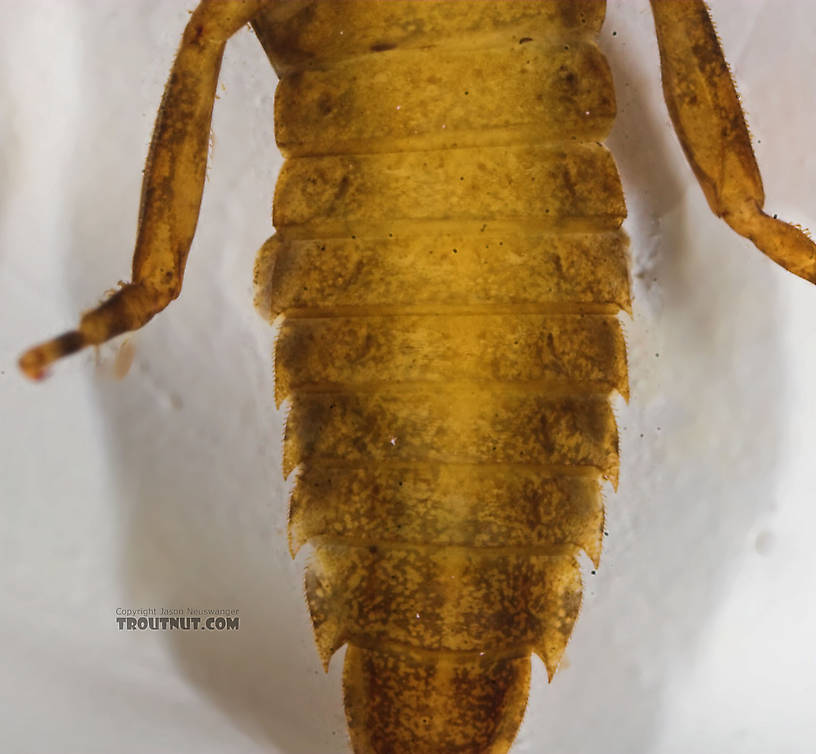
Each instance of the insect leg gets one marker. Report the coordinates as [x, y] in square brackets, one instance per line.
[171, 190]
[708, 119]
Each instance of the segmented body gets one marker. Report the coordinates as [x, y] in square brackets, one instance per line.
[449, 266]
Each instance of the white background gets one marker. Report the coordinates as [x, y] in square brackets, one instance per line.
[164, 489]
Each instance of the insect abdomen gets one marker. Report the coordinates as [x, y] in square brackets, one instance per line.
[449, 265]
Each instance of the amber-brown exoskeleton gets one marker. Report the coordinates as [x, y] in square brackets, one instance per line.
[449, 266]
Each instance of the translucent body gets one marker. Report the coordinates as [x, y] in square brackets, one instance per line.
[450, 421]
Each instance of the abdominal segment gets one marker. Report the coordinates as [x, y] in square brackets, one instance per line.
[448, 269]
